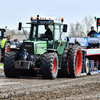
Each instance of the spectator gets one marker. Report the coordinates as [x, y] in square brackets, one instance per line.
[91, 32]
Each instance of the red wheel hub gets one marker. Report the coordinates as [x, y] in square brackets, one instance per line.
[78, 62]
[54, 66]
[8, 49]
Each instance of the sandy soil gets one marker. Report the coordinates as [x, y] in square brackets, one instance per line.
[36, 88]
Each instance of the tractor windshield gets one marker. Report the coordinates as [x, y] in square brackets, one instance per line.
[59, 34]
[41, 31]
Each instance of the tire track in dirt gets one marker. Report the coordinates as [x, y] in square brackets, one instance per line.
[36, 88]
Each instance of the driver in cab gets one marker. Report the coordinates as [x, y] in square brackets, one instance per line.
[48, 33]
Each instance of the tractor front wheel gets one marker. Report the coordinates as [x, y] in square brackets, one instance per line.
[9, 64]
[49, 65]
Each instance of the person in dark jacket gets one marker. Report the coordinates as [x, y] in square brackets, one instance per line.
[91, 32]
[48, 33]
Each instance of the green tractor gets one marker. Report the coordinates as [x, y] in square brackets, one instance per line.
[39, 54]
[4, 43]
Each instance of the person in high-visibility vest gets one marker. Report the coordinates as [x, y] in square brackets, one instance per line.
[3, 41]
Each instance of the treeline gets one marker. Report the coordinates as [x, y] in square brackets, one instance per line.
[81, 28]
[15, 32]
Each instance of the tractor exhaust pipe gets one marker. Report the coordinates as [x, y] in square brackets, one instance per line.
[37, 27]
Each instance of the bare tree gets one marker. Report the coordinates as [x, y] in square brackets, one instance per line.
[12, 32]
[80, 29]
[7, 32]
[76, 30]
[87, 21]
[26, 32]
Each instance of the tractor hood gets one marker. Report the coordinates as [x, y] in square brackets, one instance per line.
[35, 47]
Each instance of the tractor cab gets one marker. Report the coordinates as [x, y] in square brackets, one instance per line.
[37, 29]
[37, 33]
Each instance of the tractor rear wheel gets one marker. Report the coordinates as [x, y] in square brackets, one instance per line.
[75, 61]
[64, 71]
[49, 65]
[9, 64]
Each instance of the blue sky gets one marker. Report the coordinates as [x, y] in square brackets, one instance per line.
[13, 11]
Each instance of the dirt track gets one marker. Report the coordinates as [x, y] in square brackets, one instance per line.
[36, 88]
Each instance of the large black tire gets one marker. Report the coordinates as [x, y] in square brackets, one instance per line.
[9, 64]
[64, 71]
[49, 65]
[30, 72]
[75, 61]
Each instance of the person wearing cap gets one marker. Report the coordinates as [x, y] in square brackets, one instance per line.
[91, 32]
[48, 33]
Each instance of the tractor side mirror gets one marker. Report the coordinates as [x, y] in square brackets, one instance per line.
[19, 26]
[65, 28]
[4, 30]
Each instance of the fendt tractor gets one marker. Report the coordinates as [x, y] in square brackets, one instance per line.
[51, 57]
[4, 43]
